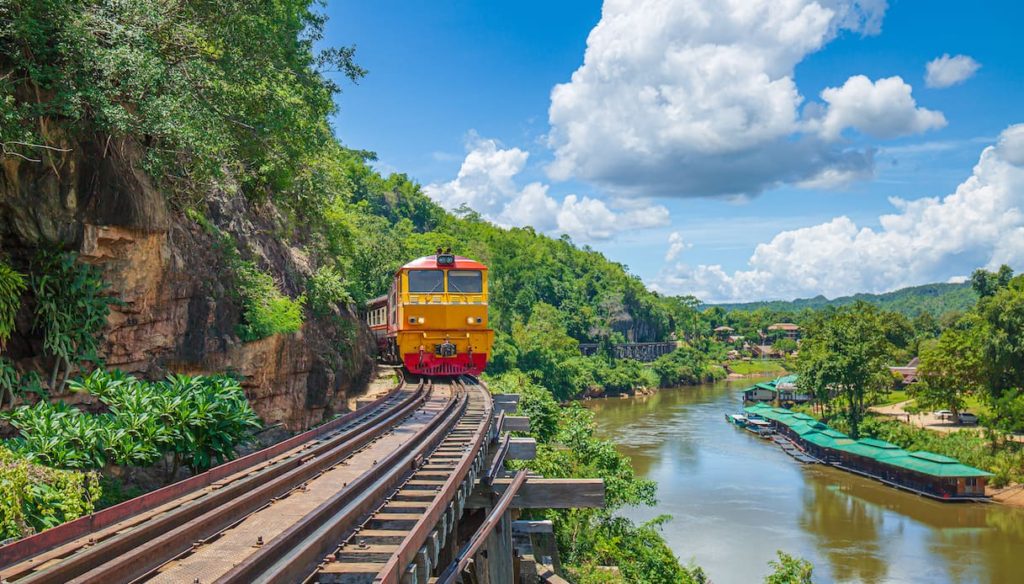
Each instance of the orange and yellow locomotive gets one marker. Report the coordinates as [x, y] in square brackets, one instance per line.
[433, 320]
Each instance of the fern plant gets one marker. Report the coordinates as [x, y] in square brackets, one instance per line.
[12, 285]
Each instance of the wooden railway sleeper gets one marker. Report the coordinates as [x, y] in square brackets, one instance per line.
[190, 522]
[299, 545]
[437, 536]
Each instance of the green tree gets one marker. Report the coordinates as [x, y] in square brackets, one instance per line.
[987, 283]
[784, 346]
[844, 358]
[952, 367]
[544, 345]
[1002, 313]
[214, 88]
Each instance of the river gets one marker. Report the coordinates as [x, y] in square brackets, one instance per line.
[735, 499]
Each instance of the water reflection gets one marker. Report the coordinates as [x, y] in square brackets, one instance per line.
[735, 499]
[846, 531]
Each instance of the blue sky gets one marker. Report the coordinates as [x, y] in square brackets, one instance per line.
[733, 100]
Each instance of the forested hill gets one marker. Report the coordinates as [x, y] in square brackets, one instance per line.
[205, 130]
[936, 299]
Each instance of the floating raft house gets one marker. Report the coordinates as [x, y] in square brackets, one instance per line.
[925, 473]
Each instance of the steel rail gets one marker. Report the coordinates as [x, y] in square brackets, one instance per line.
[128, 555]
[66, 533]
[392, 571]
[465, 555]
[499, 460]
[294, 554]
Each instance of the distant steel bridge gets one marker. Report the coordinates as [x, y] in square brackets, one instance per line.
[639, 351]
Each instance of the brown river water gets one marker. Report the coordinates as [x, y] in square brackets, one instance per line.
[735, 499]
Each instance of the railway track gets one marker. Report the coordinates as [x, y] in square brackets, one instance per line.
[382, 487]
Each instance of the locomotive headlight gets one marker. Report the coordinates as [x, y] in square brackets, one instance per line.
[470, 320]
[421, 320]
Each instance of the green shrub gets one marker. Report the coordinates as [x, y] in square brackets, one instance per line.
[72, 306]
[12, 285]
[265, 311]
[113, 490]
[685, 366]
[199, 420]
[8, 379]
[788, 569]
[325, 290]
[34, 498]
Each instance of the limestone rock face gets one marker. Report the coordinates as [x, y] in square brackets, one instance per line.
[178, 314]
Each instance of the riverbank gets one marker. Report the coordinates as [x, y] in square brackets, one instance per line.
[1012, 495]
[927, 420]
[738, 493]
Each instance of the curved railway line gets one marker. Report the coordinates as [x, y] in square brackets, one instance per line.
[374, 496]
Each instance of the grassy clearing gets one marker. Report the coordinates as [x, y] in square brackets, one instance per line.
[893, 397]
[756, 367]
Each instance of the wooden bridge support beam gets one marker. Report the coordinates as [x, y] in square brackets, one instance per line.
[498, 552]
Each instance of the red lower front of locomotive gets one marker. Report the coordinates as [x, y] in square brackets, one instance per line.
[431, 365]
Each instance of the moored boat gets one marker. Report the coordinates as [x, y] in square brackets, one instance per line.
[737, 419]
[759, 426]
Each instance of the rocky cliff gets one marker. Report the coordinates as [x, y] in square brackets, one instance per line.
[178, 314]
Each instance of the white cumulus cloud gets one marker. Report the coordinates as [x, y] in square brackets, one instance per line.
[883, 109]
[676, 246]
[486, 183]
[698, 98]
[946, 71]
[931, 239]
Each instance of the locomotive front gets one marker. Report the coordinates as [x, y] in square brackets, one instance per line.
[439, 316]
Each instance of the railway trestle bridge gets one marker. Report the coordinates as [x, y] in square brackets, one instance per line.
[646, 352]
[410, 488]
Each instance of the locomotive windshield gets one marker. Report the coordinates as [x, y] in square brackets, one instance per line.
[426, 281]
[465, 281]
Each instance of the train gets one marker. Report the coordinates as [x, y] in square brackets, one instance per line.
[433, 320]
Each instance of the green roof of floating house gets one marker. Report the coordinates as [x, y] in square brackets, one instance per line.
[767, 412]
[833, 433]
[935, 465]
[767, 386]
[876, 443]
[828, 439]
[815, 432]
[871, 448]
[772, 385]
[803, 428]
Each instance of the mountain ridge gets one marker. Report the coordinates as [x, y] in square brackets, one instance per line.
[936, 298]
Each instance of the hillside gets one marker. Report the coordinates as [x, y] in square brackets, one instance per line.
[175, 204]
[935, 299]
[219, 207]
